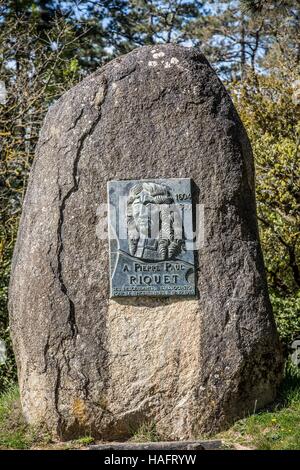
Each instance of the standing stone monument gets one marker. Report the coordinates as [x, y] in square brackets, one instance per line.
[102, 350]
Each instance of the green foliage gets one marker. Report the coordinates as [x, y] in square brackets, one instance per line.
[8, 373]
[271, 114]
[15, 433]
[132, 23]
[84, 441]
[233, 40]
[289, 393]
[146, 432]
[13, 429]
[287, 316]
[261, 6]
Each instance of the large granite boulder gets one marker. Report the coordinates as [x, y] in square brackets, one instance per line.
[187, 365]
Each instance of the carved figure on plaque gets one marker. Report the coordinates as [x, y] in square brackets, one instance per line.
[151, 216]
[150, 228]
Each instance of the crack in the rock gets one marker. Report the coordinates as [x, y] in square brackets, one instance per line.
[73, 189]
[56, 399]
[58, 269]
[44, 142]
[126, 74]
[45, 354]
[76, 120]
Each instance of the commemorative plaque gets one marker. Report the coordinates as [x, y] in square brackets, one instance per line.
[150, 235]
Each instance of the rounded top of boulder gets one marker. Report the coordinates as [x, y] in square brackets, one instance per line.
[161, 57]
[159, 60]
[165, 82]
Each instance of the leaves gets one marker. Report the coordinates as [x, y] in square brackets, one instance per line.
[287, 314]
[272, 117]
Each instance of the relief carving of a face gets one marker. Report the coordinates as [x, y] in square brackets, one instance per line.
[151, 213]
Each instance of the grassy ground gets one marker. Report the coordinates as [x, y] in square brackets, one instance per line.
[277, 427]
[14, 433]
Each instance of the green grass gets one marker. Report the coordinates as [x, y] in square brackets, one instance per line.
[146, 433]
[14, 433]
[84, 441]
[275, 428]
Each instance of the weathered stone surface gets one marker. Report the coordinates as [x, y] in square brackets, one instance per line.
[189, 365]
